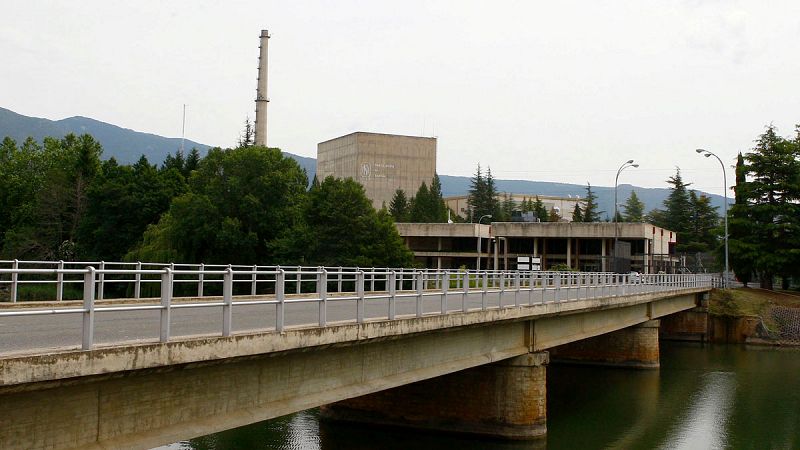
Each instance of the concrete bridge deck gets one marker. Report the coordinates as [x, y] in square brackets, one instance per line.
[122, 393]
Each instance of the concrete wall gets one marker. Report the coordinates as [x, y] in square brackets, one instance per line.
[382, 163]
[507, 399]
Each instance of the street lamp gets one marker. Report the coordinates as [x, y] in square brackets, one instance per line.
[478, 263]
[625, 165]
[707, 153]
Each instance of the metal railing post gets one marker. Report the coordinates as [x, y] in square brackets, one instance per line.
[556, 286]
[227, 300]
[392, 294]
[372, 280]
[60, 281]
[102, 281]
[14, 280]
[502, 284]
[88, 309]
[465, 286]
[418, 281]
[516, 288]
[299, 288]
[137, 283]
[485, 287]
[322, 290]
[339, 282]
[360, 293]
[201, 279]
[445, 288]
[280, 296]
[166, 299]
[253, 280]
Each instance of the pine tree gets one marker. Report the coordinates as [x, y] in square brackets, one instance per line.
[634, 209]
[742, 248]
[507, 208]
[398, 208]
[577, 214]
[773, 195]
[540, 211]
[590, 211]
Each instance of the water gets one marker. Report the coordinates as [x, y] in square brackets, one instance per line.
[710, 397]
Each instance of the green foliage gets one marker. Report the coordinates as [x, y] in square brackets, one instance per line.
[399, 207]
[633, 209]
[45, 192]
[507, 208]
[540, 211]
[428, 205]
[483, 196]
[590, 209]
[123, 201]
[342, 228]
[577, 214]
[766, 217]
[239, 201]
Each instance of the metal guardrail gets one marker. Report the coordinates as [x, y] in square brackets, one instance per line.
[323, 285]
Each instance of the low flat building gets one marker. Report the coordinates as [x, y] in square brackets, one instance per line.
[581, 246]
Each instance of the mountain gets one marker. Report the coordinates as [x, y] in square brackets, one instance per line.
[127, 146]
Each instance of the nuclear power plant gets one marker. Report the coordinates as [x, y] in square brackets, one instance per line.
[260, 137]
[382, 163]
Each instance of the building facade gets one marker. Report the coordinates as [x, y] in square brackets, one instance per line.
[581, 246]
[382, 163]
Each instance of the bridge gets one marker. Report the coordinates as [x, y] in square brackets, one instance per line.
[188, 350]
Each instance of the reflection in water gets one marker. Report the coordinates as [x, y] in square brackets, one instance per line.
[705, 424]
[702, 397]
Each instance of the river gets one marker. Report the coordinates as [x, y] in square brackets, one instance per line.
[703, 397]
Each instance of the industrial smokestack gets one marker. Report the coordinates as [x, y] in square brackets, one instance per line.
[261, 93]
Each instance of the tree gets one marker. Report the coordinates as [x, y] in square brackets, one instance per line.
[742, 247]
[239, 201]
[540, 211]
[123, 201]
[483, 196]
[772, 194]
[247, 138]
[399, 207]
[633, 209]
[577, 214]
[507, 208]
[343, 229]
[48, 196]
[428, 205]
[590, 210]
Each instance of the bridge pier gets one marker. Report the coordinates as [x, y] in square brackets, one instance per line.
[507, 399]
[635, 347]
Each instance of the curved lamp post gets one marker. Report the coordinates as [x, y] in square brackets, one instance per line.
[625, 165]
[707, 153]
[478, 263]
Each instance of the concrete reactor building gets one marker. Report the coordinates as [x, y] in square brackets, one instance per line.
[382, 163]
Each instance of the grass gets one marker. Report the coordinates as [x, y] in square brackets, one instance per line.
[750, 302]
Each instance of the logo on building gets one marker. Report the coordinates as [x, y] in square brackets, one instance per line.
[365, 170]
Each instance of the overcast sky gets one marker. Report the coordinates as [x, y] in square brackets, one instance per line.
[553, 91]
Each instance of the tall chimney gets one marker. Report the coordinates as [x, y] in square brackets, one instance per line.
[260, 137]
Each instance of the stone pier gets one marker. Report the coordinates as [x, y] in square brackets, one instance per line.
[635, 347]
[506, 400]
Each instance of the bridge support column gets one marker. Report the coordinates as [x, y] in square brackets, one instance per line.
[635, 347]
[506, 400]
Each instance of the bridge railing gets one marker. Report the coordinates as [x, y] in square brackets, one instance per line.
[382, 289]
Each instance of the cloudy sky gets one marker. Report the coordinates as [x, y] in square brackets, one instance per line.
[539, 90]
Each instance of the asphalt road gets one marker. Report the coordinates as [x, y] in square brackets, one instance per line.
[33, 334]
